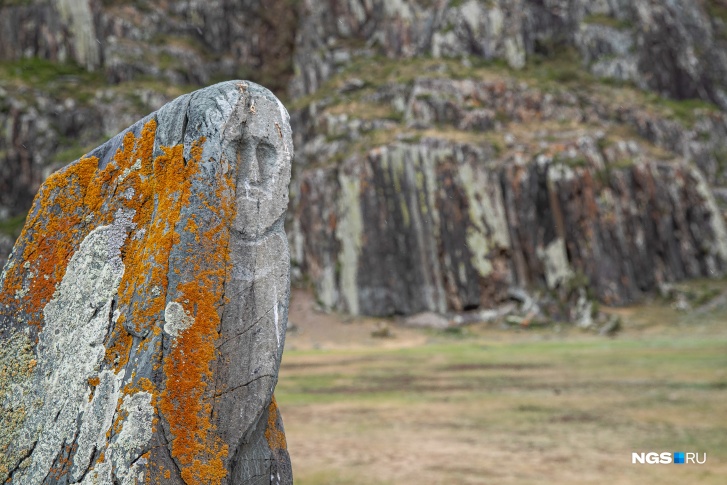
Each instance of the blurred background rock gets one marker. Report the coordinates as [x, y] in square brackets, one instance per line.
[451, 156]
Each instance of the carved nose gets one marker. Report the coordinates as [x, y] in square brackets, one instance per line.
[253, 174]
[259, 158]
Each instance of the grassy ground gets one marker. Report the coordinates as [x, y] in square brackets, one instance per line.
[500, 406]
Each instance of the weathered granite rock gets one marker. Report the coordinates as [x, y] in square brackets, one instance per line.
[144, 307]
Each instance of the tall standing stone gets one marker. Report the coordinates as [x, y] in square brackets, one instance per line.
[143, 309]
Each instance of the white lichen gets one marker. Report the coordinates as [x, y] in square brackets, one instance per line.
[70, 348]
[97, 420]
[176, 319]
[135, 434]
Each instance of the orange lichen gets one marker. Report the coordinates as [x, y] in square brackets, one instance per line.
[274, 435]
[79, 199]
[142, 385]
[146, 385]
[121, 416]
[50, 236]
[117, 350]
[63, 462]
[93, 382]
[199, 451]
[130, 172]
[158, 189]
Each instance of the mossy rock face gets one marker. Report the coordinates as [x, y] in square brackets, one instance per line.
[145, 303]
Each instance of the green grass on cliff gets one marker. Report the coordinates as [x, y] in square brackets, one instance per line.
[12, 226]
[717, 9]
[61, 79]
[41, 72]
[15, 3]
[608, 21]
[558, 69]
[69, 80]
[686, 111]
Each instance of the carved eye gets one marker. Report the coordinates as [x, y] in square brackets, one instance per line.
[266, 156]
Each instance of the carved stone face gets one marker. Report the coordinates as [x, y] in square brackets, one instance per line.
[263, 167]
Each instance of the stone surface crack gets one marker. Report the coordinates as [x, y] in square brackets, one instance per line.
[185, 122]
[89, 467]
[250, 327]
[166, 445]
[22, 459]
[244, 385]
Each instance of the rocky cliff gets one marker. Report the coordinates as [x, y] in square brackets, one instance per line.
[144, 307]
[433, 193]
[674, 47]
[453, 151]
[447, 152]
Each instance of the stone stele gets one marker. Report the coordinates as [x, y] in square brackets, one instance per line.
[143, 309]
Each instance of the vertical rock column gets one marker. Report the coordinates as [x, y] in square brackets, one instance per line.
[143, 309]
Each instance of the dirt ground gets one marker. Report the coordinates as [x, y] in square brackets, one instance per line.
[486, 404]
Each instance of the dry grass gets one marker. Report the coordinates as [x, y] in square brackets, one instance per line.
[500, 406]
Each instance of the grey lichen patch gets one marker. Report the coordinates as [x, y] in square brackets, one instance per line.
[128, 171]
[80, 19]
[122, 462]
[176, 320]
[127, 447]
[17, 363]
[70, 351]
[478, 244]
[100, 475]
[97, 420]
